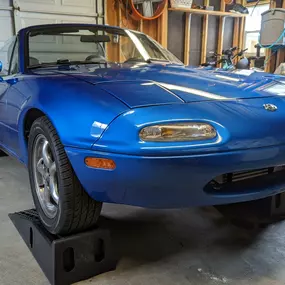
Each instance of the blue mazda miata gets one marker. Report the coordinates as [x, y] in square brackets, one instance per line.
[104, 114]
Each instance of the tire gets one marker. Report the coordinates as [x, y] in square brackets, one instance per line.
[68, 209]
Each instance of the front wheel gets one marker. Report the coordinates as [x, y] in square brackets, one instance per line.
[63, 205]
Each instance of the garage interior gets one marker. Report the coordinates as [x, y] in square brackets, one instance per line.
[196, 246]
[188, 246]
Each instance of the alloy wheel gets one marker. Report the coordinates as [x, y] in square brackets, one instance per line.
[45, 176]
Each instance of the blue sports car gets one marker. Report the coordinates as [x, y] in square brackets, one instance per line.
[104, 114]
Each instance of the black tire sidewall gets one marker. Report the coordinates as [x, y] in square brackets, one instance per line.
[40, 128]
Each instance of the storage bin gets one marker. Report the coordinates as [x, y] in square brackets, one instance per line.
[272, 26]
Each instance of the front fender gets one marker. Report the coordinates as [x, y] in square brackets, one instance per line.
[79, 111]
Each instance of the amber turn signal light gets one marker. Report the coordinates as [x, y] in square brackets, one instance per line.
[102, 163]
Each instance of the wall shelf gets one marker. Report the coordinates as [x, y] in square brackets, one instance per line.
[208, 12]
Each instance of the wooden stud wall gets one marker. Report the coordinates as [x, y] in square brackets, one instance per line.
[238, 31]
[221, 29]
[274, 59]
[205, 29]
[280, 57]
[187, 38]
[236, 35]
[158, 29]
[116, 16]
[162, 27]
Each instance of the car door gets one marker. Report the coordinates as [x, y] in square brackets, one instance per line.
[11, 101]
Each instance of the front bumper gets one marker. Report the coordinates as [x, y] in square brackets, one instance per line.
[176, 181]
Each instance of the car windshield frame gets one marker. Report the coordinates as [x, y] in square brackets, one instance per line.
[166, 56]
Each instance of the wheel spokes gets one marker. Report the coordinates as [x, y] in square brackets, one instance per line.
[40, 166]
[45, 176]
[46, 194]
[45, 154]
[53, 183]
[52, 169]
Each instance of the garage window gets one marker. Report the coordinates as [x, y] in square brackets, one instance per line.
[253, 26]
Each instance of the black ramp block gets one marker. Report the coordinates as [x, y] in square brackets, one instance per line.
[66, 260]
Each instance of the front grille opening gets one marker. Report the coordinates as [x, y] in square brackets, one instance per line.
[224, 181]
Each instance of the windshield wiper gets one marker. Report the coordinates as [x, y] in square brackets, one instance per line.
[41, 66]
[64, 63]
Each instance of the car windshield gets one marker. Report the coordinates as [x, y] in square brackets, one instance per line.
[61, 45]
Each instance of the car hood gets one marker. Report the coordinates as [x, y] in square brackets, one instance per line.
[140, 85]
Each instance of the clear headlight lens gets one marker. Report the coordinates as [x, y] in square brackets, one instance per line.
[178, 132]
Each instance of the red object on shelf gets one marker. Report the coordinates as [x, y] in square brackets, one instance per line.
[145, 9]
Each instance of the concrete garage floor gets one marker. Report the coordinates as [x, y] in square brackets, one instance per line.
[190, 246]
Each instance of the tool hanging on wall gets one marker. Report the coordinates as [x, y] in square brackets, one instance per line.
[144, 9]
